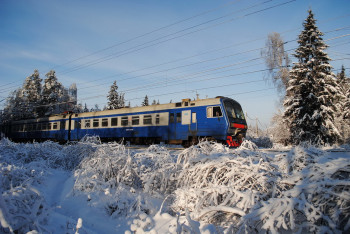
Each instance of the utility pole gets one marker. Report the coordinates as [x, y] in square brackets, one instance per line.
[257, 127]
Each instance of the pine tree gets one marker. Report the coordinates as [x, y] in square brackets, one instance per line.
[86, 109]
[145, 102]
[52, 95]
[113, 97]
[312, 90]
[343, 118]
[15, 106]
[32, 94]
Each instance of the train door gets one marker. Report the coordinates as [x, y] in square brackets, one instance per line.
[175, 126]
[172, 125]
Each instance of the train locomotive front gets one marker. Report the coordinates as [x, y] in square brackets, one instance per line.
[237, 125]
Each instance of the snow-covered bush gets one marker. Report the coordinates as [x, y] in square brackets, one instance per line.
[119, 176]
[157, 170]
[312, 195]
[219, 186]
[25, 208]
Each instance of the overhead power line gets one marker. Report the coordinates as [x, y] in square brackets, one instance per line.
[149, 33]
[144, 45]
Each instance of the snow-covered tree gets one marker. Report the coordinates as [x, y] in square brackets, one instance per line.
[32, 94]
[121, 100]
[312, 90]
[145, 101]
[115, 101]
[96, 108]
[154, 102]
[277, 61]
[343, 103]
[53, 94]
[15, 106]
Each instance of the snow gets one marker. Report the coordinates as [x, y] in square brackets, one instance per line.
[90, 187]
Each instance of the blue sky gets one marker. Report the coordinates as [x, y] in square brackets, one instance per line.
[168, 50]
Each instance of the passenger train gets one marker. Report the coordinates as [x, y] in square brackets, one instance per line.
[184, 122]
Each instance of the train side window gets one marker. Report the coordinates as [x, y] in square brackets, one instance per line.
[178, 117]
[172, 118]
[87, 123]
[124, 121]
[96, 123]
[194, 117]
[147, 119]
[135, 120]
[54, 125]
[78, 124]
[157, 119]
[214, 111]
[114, 121]
[104, 122]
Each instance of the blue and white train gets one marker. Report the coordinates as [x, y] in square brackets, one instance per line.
[185, 122]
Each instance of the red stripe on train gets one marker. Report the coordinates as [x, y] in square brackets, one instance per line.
[235, 125]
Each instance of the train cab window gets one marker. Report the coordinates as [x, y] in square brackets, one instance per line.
[96, 123]
[157, 119]
[135, 120]
[172, 118]
[178, 104]
[214, 111]
[104, 122]
[54, 125]
[217, 111]
[147, 119]
[185, 103]
[114, 121]
[178, 117]
[233, 110]
[124, 121]
[87, 123]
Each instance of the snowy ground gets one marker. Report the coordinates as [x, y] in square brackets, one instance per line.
[89, 187]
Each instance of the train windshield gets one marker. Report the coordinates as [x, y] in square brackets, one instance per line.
[233, 110]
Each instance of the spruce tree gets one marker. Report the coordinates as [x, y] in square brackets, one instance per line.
[113, 97]
[145, 101]
[52, 95]
[32, 94]
[312, 90]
